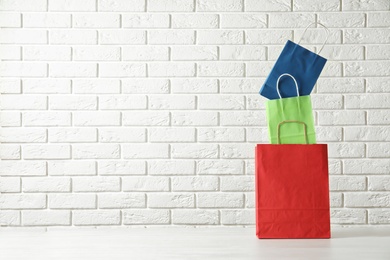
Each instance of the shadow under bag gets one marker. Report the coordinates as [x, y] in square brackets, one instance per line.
[292, 189]
[304, 65]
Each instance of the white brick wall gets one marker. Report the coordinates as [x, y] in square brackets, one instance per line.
[146, 112]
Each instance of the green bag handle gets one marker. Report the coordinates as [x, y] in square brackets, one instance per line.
[292, 121]
[277, 83]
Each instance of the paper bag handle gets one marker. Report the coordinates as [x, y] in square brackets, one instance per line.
[292, 121]
[277, 83]
[327, 34]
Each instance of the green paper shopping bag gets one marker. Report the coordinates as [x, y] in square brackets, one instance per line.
[290, 109]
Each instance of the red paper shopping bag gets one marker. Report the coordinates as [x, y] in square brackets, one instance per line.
[292, 190]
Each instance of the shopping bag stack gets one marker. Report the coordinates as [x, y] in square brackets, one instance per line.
[292, 190]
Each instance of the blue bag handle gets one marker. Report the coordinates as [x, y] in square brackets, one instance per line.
[327, 34]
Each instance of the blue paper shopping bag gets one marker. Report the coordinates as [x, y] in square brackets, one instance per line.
[304, 65]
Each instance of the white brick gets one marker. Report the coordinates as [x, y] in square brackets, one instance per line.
[367, 199]
[243, 21]
[121, 200]
[10, 20]
[367, 36]
[23, 36]
[47, 53]
[340, 85]
[9, 217]
[46, 20]
[290, 20]
[145, 20]
[96, 217]
[22, 201]
[373, 133]
[260, 135]
[308, 5]
[22, 5]
[220, 167]
[186, 151]
[45, 151]
[317, 36]
[346, 150]
[219, 5]
[171, 37]
[378, 52]
[44, 184]
[238, 217]
[237, 151]
[377, 84]
[195, 21]
[46, 85]
[122, 135]
[73, 69]
[72, 135]
[23, 102]
[378, 19]
[191, 53]
[145, 183]
[379, 183]
[72, 201]
[145, 53]
[342, 117]
[147, 118]
[367, 68]
[95, 184]
[378, 216]
[96, 86]
[264, 36]
[70, 168]
[96, 20]
[336, 200]
[262, 6]
[171, 200]
[243, 53]
[221, 102]
[352, 5]
[121, 5]
[378, 117]
[348, 216]
[347, 183]
[10, 52]
[96, 53]
[9, 151]
[220, 200]
[368, 101]
[96, 118]
[258, 69]
[198, 183]
[121, 168]
[221, 135]
[139, 86]
[131, 151]
[46, 218]
[172, 135]
[22, 168]
[194, 118]
[170, 5]
[146, 216]
[177, 69]
[73, 36]
[171, 167]
[329, 134]
[122, 102]
[195, 217]
[114, 70]
[250, 200]
[72, 102]
[72, 5]
[371, 166]
[23, 69]
[9, 184]
[23, 135]
[221, 69]
[96, 151]
[220, 37]
[378, 150]
[239, 85]
[170, 102]
[330, 102]
[241, 183]
[342, 20]
[346, 52]
[194, 85]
